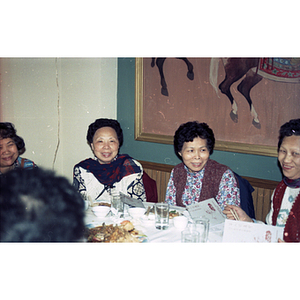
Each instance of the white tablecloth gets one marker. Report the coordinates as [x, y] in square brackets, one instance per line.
[170, 235]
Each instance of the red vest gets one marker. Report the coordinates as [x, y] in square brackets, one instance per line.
[210, 186]
[292, 226]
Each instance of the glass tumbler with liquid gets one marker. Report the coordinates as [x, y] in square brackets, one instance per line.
[162, 216]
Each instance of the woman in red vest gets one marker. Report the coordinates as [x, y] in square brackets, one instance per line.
[285, 206]
[198, 177]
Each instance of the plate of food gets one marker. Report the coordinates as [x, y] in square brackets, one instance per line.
[116, 233]
[174, 213]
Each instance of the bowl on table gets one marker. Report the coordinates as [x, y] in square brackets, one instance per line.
[180, 222]
[136, 212]
[101, 211]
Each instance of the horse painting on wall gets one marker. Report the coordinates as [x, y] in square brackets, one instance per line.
[244, 101]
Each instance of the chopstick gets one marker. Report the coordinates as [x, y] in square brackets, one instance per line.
[148, 211]
[235, 215]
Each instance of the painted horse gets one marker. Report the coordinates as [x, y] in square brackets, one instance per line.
[160, 63]
[254, 69]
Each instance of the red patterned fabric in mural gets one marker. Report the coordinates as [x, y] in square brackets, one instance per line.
[280, 69]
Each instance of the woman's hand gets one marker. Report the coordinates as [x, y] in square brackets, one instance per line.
[241, 214]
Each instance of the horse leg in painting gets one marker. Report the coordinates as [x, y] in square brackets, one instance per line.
[251, 79]
[160, 63]
[235, 69]
[190, 73]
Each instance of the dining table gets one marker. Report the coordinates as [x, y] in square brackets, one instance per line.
[150, 233]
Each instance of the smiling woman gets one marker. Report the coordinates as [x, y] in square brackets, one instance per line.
[285, 200]
[289, 157]
[195, 154]
[198, 177]
[105, 145]
[11, 146]
[108, 171]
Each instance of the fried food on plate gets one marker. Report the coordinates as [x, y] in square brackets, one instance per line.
[113, 233]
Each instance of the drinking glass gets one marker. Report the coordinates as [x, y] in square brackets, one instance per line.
[117, 204]
[161, 216]
[202, 226]
[190, 235]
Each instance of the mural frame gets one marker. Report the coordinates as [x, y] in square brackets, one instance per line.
[139, 135]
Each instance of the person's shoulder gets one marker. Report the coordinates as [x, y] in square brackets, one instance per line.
[215, 164]
[83, 162]
[137, 163]
[126, 158]
[178, 170]
[26, 163]
[179, 166]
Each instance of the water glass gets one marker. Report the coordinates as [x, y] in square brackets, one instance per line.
[202, 226]
[162, 216]
[117, 204]
[190, 235]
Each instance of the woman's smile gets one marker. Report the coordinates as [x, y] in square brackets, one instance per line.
[195, 154]
[289, 157]
[196, 164]
[105, 145]
[8, 153]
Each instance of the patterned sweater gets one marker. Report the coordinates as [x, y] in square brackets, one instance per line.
[213, 175]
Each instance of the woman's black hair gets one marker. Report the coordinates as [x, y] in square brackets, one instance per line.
[190, 130]
[7, 130]
[99, 123]
[288, 129]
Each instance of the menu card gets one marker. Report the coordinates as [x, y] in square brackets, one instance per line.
[238, 231]
[131, 201]
[208, 209]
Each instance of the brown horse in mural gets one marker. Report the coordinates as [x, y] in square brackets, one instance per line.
[236, 68]
[160, 63]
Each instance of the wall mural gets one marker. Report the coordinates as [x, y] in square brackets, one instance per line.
[171, 91]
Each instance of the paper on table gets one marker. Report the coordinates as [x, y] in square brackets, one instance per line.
[131, 201]
[208, 209]
[238, 231]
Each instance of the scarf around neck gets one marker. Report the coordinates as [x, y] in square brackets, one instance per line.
[292, 183]
[108, 174]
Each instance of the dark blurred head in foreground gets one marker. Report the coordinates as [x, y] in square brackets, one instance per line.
[38, 206]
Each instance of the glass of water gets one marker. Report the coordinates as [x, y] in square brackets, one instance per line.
[190, 235]
[117, 204]
[161, 216]
[202, 226]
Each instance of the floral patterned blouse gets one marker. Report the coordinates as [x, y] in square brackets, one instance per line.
[229, 192]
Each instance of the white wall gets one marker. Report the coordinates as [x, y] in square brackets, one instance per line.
[39, 95]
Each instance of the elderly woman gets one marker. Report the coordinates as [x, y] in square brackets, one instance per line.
[108, 171]
[285, 200]
[11, 146]
[198, 177]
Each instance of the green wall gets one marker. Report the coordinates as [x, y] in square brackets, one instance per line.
[244, 164]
